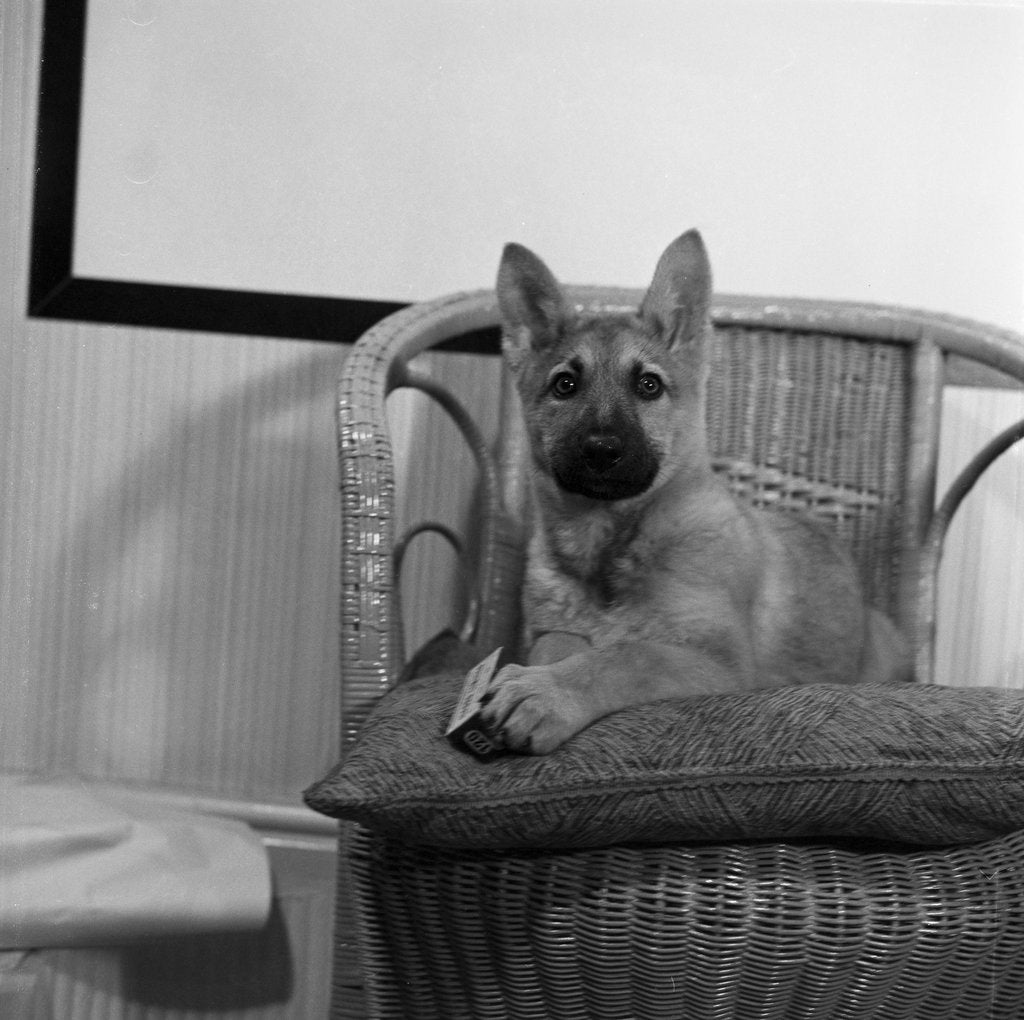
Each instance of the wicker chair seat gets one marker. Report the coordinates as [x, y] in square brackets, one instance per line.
[761, 930]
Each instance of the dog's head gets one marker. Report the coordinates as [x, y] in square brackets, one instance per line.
[613, 403]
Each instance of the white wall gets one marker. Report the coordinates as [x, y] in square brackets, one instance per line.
[837, 149]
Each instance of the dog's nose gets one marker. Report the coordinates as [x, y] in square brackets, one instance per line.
[602, 451]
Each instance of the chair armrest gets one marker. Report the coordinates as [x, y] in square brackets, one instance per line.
[377, 364]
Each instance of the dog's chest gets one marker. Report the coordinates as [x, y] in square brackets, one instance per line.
[588, 582]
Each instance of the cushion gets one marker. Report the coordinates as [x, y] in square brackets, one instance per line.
[915, 764]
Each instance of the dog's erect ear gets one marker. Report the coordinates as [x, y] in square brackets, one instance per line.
[530, 299]
[677, 305]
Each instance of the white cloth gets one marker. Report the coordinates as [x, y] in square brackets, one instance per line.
[81, 865]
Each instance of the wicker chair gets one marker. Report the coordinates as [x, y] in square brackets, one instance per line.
[833, 408]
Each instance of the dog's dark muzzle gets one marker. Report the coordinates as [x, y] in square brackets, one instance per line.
[601, 451]
[605, 465]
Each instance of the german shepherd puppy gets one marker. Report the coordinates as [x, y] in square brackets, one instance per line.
[646, 579]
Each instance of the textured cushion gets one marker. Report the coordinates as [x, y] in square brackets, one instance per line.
[912, 763]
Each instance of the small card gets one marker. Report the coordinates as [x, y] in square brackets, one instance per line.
[465, 728]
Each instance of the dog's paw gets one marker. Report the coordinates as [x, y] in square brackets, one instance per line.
[533, 709]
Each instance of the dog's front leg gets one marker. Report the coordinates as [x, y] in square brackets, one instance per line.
[537, 708]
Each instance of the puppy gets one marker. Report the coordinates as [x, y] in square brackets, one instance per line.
[645, 578]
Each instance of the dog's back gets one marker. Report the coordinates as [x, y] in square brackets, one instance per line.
[818, 627]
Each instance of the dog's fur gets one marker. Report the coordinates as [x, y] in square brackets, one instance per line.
[645, 578]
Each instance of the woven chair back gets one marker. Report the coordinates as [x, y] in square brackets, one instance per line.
[817, 423]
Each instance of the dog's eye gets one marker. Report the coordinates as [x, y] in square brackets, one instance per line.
[649, 386]
[564, 384]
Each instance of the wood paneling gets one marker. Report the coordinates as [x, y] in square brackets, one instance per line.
[172, 525]
[169, 546]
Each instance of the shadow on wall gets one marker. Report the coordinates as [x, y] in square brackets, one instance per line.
[197, 613]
